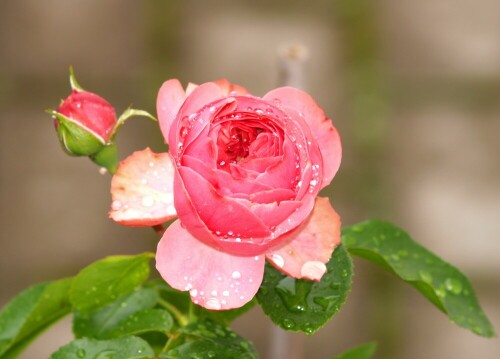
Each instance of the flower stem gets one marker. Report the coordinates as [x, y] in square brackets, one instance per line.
[181, 318]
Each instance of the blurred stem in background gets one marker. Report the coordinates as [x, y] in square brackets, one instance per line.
[366, 108]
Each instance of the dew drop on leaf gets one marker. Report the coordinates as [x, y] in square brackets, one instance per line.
[453, 285]
[425, 276]
[288, 323]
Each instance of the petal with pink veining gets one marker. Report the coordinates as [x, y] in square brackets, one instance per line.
[170, 99]
[322, 128]
[217, 212]
[214, 279]
[309, 247]
[142, 190]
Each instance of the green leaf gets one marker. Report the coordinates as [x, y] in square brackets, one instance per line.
[99, 323]
[363, 351]
[207, 339]
[223, 317]
[303, 305]
[30, 313]
[147, 320]
[126, 347]
[443, 284]
[106, 280]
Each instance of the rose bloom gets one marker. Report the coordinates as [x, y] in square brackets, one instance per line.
[242, 176]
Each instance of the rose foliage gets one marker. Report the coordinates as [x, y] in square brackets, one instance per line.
[242, 176]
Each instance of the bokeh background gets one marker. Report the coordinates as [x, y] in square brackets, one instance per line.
[413, 87]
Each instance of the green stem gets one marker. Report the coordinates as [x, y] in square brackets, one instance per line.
[181, 318]
[171, 339]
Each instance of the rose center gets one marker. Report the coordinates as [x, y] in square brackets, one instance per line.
[234, 142]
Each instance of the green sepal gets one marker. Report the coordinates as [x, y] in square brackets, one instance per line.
[72, 80]
[76, 140]
[107, 157]
[128, 113]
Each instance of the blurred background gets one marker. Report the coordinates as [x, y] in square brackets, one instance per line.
[412, 86]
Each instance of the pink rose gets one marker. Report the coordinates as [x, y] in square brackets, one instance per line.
[84, 122]
[242, 176]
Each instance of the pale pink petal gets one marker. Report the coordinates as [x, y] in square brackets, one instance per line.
[142, 190]
[190, 88]
[309, 247]
[322, 128]
[228, 88]
[170, 99]
[214, 279]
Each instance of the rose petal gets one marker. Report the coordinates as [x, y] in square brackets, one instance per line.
[215, 280]
[223, 182]
[201, 96]
[228, 87]
[310, 246]
[322, 128]
[169, 101]
[273, 214]
[142, 190]
[219, 213]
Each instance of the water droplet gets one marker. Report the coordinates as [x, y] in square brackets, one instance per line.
[395, 257]
[106, 354]
[278, 260]
[441, 292]
[326, 303]
[453, 285]
[193, 292]
[288, 323]
[80, 353]
[313, 270]
[357, 228]
[148, 201]
[213, 303]
[116, 205]
[426, 276]
[214, 293]
[225, 293]
[236, 275]
[308, 328]
[294, 294]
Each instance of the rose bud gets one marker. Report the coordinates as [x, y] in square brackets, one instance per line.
[84, 122]
[242, 176]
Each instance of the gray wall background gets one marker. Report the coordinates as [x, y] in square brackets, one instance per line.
[413, 86]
